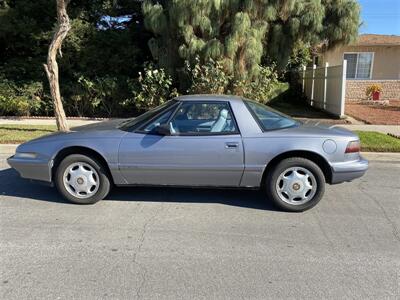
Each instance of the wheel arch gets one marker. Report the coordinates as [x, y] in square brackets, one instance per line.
[314, 157]
[80, 150]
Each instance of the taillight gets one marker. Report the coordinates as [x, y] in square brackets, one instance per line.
[352, 147]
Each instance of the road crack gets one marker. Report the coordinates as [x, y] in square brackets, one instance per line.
[142, 238]
[395, 230]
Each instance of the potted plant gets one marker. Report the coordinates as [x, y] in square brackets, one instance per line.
[374, 91]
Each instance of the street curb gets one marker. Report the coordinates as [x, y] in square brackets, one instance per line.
[382, 156]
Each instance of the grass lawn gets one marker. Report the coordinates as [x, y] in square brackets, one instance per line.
[15, 134]
[372, 141]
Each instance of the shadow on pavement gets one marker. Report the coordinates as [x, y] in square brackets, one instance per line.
[12, 185]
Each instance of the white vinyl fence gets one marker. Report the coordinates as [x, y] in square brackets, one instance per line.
[325, 87]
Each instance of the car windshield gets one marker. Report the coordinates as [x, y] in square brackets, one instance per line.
[134, 123]
[268, 118]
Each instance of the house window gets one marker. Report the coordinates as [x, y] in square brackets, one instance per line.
[359, 65]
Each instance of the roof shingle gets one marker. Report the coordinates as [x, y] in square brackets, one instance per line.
[377, 40]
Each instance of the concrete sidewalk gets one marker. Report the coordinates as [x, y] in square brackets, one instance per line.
[392, 129]
[49, 121]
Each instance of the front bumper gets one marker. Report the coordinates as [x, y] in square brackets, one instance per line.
[36, 169]
[349, 170]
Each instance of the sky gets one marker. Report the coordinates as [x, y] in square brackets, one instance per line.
[380, 16]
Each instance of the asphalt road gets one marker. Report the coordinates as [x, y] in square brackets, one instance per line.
[193, 244]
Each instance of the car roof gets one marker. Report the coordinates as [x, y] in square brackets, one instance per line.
[208, 97]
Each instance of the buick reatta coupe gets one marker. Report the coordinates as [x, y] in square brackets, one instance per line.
[197, 141]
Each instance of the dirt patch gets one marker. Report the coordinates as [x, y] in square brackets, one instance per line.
[376, 114]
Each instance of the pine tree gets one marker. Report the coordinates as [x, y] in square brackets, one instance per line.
[239, 33]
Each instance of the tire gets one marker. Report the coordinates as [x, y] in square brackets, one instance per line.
[76, 172]
[289, 190]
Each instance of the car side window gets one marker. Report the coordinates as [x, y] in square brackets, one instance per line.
[267, 118]
[197, 118]
[161, 119]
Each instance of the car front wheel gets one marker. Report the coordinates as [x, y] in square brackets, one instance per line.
[295, 184]
[82, 180]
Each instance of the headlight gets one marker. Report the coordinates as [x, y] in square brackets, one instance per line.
[25, 155]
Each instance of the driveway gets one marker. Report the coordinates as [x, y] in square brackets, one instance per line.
[199, 244]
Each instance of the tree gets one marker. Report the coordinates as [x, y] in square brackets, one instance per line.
[240, 33]
[51, 68]
[62, 28]
[94, 49]
[301, 56]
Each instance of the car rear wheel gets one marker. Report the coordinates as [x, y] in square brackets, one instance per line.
[82, 180]
[295, 184]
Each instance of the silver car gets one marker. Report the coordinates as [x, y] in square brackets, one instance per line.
[197, 141]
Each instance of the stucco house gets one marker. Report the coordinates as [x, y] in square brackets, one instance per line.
[372, 59]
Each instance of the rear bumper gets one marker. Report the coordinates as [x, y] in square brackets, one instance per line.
[36, 169]
[347, 171]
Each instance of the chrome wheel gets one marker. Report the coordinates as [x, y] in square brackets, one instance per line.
[81, 180]
[296, 185]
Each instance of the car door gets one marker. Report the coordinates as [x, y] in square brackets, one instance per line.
[204, 149]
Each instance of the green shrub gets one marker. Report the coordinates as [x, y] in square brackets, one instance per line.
[153, 88]
[212, 78]
[301, 56]
[208, 78]
[261, 88]
[111, 95]
[99, 96]
[23, 99]
[80, 98]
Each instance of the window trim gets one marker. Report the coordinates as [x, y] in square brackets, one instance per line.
[372, 64]
[253, 114]
[236, 132]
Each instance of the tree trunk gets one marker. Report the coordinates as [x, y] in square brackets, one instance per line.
[62, 28]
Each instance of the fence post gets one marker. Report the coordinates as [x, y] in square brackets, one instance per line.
[343, 90]
[312, 85]
[325, 82]
[303, 78]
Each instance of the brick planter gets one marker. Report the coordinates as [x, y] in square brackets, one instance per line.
[355, 89]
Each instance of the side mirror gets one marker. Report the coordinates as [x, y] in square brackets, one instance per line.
[163, 129]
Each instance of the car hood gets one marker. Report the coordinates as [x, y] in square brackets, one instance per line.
[106, 129]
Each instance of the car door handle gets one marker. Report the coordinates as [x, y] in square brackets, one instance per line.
[231, 145]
